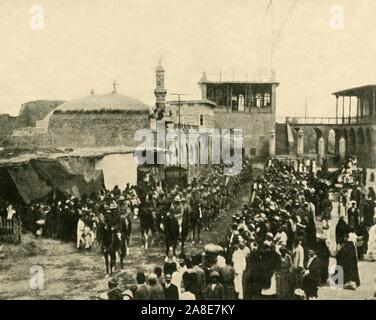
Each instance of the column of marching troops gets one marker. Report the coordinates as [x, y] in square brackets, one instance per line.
[182, 213]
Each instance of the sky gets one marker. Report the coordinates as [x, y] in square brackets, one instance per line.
[87, 44]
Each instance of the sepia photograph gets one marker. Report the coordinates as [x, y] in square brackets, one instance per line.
[214, 151]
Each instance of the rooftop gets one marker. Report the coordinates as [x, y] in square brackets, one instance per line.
[220, 78]
[355, 91]
[23, 156]
[112, 101]
[208, 102]
[239, 82]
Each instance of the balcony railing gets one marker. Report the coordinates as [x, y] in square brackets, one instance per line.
[326, 120]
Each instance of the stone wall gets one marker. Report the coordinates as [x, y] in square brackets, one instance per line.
[31, 141]
[281, 142]
[82, 129]
[256, 129]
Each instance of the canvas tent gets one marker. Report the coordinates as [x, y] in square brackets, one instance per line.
[21, 183]
[35, 179]
[70, 177]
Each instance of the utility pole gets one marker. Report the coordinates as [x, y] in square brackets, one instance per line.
[305, 111]
[271, 8]
[179, 149]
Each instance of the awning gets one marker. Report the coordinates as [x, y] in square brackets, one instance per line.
[22, 183]
[68, 177]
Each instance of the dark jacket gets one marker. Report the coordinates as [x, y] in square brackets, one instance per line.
[142, 292]
[156, 292]
[171, 292]
[217, 294]
[342, 229]
[353, 217]
[172, 228]
[312, 280]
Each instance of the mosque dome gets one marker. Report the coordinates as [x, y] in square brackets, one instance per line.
[106, 102]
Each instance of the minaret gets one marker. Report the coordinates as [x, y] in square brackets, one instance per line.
[202, 84]
[160, 91]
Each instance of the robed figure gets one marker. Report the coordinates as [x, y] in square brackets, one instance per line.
[348, 260]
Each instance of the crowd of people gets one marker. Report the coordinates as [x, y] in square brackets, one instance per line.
[349, 174]
[277, 246]
[166, 213]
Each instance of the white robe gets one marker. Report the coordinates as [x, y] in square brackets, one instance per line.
[80, 231]
[372, 243]
[240, 263]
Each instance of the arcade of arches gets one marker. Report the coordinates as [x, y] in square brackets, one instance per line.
[335, 142]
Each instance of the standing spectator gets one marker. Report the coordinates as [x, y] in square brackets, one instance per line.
[80, 231]
[297, 263]
[170, 290]
[239, 262]
[342, 229]
[155, 289]
[283, 276]
[227, 275]
[323, 253]
[362, 239]
[158, 272]
[372, 243]
[353, 215]
[214, 290]
[142, 292]
[188, 290]
[201, 280]
[311, 276]
[348, 261]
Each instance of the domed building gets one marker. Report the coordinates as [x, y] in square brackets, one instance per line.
[97, 121]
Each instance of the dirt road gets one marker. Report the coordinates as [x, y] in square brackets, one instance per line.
[69, 274]
[72, 274]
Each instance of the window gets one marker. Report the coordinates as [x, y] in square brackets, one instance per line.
[267, 100]
[252, 100]
[201, 119]
[241, 103]
[218, 94]
[234, 102]
[253, 151]
[258, 100]
[211, 94]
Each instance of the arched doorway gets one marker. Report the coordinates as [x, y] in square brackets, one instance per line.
[360, 146]
[332, 142]
[318, 134]
[352, 142]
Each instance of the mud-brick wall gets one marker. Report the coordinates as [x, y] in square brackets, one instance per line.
[7, 125]
[256, 128]
[82, 129]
